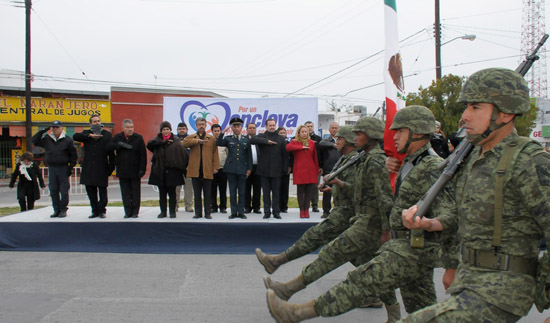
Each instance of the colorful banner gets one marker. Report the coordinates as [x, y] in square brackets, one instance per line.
[393, 78]
[50, 109]
[287, 112]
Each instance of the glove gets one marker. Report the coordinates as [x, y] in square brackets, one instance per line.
[141, 173]
[69, 171]
[124, 145]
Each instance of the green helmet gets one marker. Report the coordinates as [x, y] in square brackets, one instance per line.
[372, 127]
[347, 134]
[417, 118]
[504, 88]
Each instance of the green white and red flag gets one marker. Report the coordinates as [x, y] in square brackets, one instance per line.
[393, 78]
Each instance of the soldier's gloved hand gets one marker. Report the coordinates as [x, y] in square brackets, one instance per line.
[124, 145]
[69, 171]
[11, 186]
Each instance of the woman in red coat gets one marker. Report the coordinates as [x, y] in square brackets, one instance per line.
[306, 168]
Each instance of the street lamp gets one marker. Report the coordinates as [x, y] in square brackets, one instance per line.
[469, 37]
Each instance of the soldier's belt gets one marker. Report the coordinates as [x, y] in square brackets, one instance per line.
[406, 234]
[362, 209]
[498, 261]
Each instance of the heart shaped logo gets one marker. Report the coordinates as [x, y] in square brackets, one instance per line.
[217, 112]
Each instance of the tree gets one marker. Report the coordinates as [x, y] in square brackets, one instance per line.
[441, 97]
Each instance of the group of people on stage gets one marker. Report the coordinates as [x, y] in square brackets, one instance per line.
[202, 164]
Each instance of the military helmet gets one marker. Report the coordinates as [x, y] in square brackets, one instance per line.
[504, 88]
[372, 127]
[347, 134]
[417, 118]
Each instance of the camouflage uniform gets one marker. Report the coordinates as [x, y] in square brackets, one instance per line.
[480, 292]
[338, 220]
[397, 264]
[372, 201]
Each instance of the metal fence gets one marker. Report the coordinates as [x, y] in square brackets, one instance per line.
[74, 180]
[5, 157]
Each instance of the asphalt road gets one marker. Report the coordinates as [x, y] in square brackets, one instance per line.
[143, 288]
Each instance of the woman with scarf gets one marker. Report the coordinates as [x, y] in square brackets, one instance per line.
[305, 169]
[29, 177]
[168, 166]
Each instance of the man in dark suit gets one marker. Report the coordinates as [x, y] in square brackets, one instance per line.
[131, 163]
[238, 165]
[253, 182]
[329, 157]
[97, 166]
[272, 164]
[315, 137]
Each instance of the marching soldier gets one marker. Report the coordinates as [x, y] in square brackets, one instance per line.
[238, 165]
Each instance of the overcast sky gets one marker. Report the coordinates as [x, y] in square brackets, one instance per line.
[253, 48]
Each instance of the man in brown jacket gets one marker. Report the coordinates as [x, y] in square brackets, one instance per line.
[203, 164]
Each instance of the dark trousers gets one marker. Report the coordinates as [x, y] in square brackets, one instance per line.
[171, 191]
[59, 187]
[271, 185]
[219, 182]
[283, 193]
[130, 190]
[204, 186]
[237, 186]
[98, 206]
[303, 194]
[327, 204]
[25, 196]
[253, 191]
[315, 195]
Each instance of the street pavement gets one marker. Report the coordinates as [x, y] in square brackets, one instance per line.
[143, 288]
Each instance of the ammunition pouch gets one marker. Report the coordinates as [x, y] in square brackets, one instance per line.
[498, 261]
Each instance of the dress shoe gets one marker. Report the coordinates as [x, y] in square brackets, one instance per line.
[284, 211]
[257, 212]
[233, 216]
[127, 216]
[94, 215]
[196, 216]
[54, 215]
[173, 215]
[188, 209]
[223, 211]
[242, 216]
[213, 210]
[102, 215]
[247, 211]
[134, 216]
[306, 214]
[325, 215]
[267, 215]
[207, 216]
[161, 215]
[315, 209]
[277, 215]
[62, 214]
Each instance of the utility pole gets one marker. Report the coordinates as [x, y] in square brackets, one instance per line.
[437, 31]
[28, 76]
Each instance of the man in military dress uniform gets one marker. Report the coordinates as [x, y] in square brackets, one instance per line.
[503, 208]
[372, 202]
[238, 165]
[338, 220]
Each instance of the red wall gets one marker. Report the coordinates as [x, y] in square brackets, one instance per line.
[145, 109]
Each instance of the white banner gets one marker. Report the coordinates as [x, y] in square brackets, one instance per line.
[287, 112]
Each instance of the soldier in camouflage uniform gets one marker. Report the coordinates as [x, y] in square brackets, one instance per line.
[370, 227]
[502, 195]
[338, 221]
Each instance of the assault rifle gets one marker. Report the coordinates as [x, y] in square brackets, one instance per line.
[342, 168]
[461, 152]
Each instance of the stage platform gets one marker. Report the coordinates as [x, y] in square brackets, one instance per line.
[35, 231]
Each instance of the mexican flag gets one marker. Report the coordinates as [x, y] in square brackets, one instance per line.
[393, 78]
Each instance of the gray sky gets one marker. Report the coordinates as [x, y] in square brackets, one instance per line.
[251, 48]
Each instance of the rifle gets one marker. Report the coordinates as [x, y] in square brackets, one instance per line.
[342, 168]
[461, 152]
